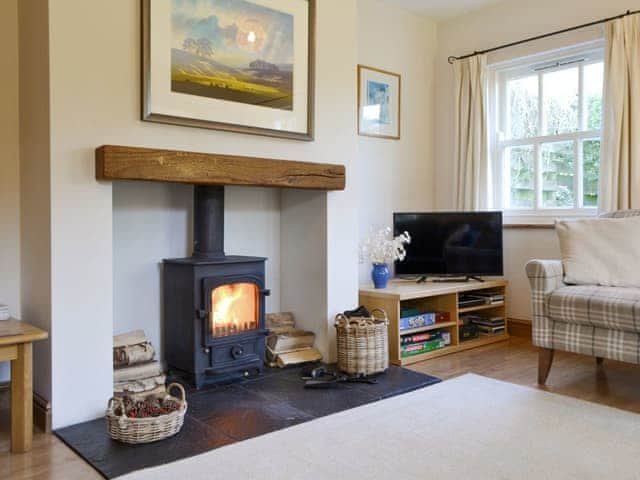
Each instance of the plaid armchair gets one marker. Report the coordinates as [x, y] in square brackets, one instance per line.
[603, 322]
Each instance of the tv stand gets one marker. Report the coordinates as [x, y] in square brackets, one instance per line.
[434, 297]
[450, 279]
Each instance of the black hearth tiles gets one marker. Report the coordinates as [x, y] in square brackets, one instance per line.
[112, 459]
[315, 402]
[242, 414]
[220, 415]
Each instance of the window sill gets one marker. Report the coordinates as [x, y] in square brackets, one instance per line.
[543, 220]
[528, 225]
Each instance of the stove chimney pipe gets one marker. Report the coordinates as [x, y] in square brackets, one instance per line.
[208, 221]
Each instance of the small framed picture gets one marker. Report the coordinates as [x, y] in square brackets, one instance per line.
[378, 103]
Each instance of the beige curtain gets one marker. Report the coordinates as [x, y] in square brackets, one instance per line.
[620, 163]
[471, 152]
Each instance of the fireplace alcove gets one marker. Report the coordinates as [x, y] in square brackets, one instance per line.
[214, 303]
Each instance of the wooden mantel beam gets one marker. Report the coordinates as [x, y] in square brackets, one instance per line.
[134, 163]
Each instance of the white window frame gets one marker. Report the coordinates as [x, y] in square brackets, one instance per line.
[539, 64]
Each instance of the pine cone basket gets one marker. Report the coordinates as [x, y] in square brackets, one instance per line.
[363, 346]
[148, 429]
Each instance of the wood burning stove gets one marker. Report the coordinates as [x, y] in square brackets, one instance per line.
[213, 303]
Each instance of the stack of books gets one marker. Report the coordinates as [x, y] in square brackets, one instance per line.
[287, 345]
[423, 342]
[490, 297]
[488, 325]
[4, 312]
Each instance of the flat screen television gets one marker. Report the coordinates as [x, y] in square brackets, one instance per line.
[451, 243]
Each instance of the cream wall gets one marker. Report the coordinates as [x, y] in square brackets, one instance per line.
[494, 25]
[302, 240]
[89, 250]
[35, 183]
[397, 175]
[9, 165]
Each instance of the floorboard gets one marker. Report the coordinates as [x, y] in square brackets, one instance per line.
[614, 384]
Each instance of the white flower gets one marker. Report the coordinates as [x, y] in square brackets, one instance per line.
[382, 247]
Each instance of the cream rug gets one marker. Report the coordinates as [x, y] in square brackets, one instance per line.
[470, 427]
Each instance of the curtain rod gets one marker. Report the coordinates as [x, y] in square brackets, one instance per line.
[453, 58]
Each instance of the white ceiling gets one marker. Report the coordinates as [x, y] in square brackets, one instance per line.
[441, 9]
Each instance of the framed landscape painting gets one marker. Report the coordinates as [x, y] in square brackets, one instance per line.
[236, 65]
[378, 103]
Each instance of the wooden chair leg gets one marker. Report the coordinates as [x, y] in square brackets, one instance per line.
[545, 359]
[599, 360]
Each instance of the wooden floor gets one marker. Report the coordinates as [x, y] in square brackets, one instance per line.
[614, 384]
[49, 458]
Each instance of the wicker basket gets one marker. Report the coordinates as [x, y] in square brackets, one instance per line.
[363, 347]
[146, 430]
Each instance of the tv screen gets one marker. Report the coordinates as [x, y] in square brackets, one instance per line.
[451, 243]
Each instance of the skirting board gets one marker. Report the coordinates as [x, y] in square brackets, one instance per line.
[41, 410]
[519, 327]
[41, 413]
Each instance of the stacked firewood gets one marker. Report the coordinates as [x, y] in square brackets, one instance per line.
[135, 372]
[288, 345]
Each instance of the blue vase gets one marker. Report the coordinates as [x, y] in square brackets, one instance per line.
[380, 275]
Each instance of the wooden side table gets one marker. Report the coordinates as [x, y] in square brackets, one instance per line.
[16, 345]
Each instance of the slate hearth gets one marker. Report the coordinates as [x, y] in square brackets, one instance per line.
[222, 415]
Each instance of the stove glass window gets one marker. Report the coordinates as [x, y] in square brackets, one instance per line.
[234, 309]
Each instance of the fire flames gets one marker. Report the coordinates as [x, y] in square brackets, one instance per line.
[234, 309]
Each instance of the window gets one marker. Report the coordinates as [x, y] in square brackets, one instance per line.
[545, 129]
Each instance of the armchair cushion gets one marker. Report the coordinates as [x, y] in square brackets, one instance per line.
[602, 307]
[600, 251]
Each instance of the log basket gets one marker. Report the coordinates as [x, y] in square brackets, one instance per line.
[363, 346]
[149, 429]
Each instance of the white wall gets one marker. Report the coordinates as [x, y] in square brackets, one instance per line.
[494, 25]
[520, 246]
[397, 175]
[88, 248]
[150, 222]
[252, 227]
[303, 240]
[9, 166]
